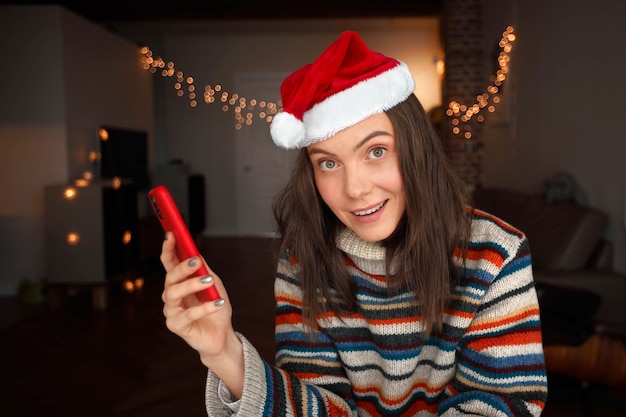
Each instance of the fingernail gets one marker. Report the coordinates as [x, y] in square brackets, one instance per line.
[219, 302]
[206, 280]
[193, 261]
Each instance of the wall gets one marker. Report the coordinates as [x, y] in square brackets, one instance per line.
[62, 77]
[567, 103]
[105, 84]
[216, 52]
[564, 97]
[462, 34]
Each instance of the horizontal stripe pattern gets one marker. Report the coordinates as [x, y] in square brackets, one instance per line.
[488, 360]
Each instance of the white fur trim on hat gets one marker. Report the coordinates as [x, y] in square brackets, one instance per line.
[357, 103]
[343, 109]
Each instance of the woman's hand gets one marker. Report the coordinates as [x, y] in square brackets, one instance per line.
[205, 326]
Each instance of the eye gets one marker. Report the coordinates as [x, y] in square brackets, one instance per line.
[377, 153]
[327, 164]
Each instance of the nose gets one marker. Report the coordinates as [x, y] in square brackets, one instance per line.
[356, 182]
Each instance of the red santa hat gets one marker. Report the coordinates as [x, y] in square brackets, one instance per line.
[346, 84]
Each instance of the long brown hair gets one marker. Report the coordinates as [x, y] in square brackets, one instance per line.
[434, 225]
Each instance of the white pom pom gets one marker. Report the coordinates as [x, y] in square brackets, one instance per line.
[287, 131]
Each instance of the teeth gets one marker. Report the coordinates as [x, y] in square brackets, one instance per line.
[370, 211]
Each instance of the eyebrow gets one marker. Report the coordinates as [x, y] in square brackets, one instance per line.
[357, 146]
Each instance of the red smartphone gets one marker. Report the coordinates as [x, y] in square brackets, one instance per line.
[168, 214]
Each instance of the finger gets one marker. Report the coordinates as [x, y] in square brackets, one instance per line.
[174, 294]
[169, 258]
[177, 320]
[182, 271]
[180, 317]
[217, 281]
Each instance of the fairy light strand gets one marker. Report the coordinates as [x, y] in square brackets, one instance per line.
[462, 114]
[245, 111]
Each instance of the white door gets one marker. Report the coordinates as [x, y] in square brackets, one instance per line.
[262, 168]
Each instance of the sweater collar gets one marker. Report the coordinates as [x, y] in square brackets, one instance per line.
[368, 256]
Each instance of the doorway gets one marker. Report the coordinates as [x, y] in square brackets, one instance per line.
[262, 168]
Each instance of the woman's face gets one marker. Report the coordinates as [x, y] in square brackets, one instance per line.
[357, 173]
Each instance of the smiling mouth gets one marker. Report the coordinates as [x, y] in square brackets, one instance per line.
[370, 211]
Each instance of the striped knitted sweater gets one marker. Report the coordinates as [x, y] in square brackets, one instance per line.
[488, 361]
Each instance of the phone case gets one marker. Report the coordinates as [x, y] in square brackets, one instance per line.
[171, 220]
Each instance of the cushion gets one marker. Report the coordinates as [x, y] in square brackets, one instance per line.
[562, 235]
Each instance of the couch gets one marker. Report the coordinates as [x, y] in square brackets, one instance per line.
[571, 260]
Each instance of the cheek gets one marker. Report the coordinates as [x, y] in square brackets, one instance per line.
[397, 184]
[392, 178]
[328, 189]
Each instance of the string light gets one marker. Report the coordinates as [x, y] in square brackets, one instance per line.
[69, 193]
[126, 237]
[131, 285]
[245, 111]
[462, 114]
[139, 283]
[104, 134]
[72, 238]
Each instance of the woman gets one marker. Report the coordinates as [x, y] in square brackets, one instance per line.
[393, 298]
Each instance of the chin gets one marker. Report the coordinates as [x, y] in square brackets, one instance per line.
[373, 235]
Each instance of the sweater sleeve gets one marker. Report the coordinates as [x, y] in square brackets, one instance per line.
[500, 362]
[308, 379]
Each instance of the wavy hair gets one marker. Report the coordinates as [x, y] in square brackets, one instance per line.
[435, 225]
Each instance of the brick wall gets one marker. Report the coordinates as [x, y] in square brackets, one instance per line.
[464, 79]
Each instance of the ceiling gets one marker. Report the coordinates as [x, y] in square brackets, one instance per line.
[102, 11]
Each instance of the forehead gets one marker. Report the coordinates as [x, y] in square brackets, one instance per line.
[378, 125]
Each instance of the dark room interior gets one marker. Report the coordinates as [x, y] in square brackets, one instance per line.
[74, 349]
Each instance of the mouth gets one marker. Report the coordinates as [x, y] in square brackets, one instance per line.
[370, 210]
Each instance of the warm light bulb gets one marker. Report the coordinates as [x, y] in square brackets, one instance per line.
[129, 286]
[139, 283]
[440, 64]
[69, 193]
[127, 237]
[72, 238]
[93, 156]
[104, 134]
[116, 183]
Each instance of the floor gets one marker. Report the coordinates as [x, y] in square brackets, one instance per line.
[124, 362]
